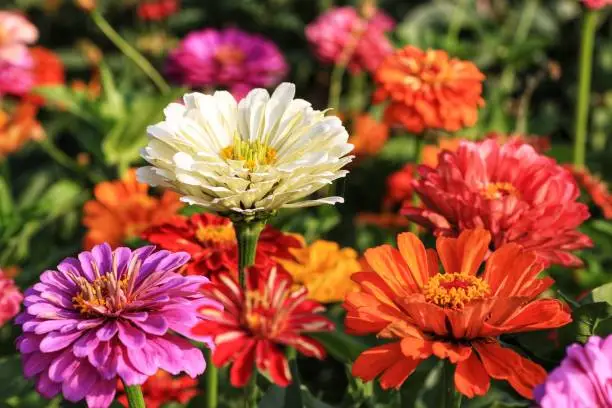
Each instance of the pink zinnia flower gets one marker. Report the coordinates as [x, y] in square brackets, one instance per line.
[10, 298]
[109, 315]
[333, 33]
[596, 4]
[15, 33]
[228, 58]
[517, 194]
[583, 380]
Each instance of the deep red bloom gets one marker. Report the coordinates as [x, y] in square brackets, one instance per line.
[211, 241]
[256, 325]
[162, 388]
[48, 70]
[156, 10]
[400, 186]
[517, 194]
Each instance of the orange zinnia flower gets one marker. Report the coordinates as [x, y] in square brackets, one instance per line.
[429, 90]
[595, 188]
[18, 127]
[368, 136]
[457, 315]
[429, 153]
[123, 209]
[48, 70]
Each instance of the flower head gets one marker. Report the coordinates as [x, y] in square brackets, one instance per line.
[584, 378]
[400, 186]
[16, 32]
[596, 189]
[48, 70]
[325, 269]
[428, 90]
[156, 10]
[18, 127]
[10, 298]
[249, 158]
[342, 34]
[162, 388]
[108, 315]
[257, 324]
[456, 315]
[369, 136]
[596, 4]
[228, 58]
[512, 191]
[16, 77]
[123, 209]
[211, 242]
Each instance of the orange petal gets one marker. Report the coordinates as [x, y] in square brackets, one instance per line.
[466, 253]
[538, 315]
[399, 329]
[373, 284]
[413, 251]
[454, 352]
[388, 263]
[511, 257]
[427, 317]
[471, 378]
[432, 262]
[374, 361]
[505, 364]
[395, 375]
[417, 348]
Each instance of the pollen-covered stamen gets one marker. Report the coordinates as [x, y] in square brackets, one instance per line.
[252, 153]
[493, 191]
[455, 290]
[262, 317]
[216, 235]
[109, 293]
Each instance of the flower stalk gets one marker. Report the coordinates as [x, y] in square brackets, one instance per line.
[211, 381]
[589, 26]
[247, 234]
[450, 397]
[134, 396]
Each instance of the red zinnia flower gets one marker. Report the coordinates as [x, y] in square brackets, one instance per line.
[517, 194]
[595, 188]
[457, 315]
[162, 388]
[211, 241]
[256, 325]
[400, 186]
[48, 70]
[156, 10]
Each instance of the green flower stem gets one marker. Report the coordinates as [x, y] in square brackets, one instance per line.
[211, 379]
[419, 142]
[129, 51]
[589, 26]
[247, 234]
[134, 396]
[450, 397]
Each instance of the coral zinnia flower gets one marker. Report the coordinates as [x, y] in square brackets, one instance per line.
[123, 209]
[256, 325]
[400, 186]
[162, 388]
[428, 90]
[512, 191]
[456, 315]
[17, 127]
[156, 10]
[248, 158]
[595, 188]
[368, 136]
[48, 70]
[325, 269]
[228, 58]
[341, 35]
[211, 242]
[10, 298]
[110, 315]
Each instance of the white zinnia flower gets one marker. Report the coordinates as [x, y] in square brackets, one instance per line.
[252, 157]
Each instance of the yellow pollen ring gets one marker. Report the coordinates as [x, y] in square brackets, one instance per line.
[497, 190]
[216, 234]
[455, 290]
[252, 153]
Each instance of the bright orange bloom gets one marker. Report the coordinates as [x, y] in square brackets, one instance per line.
[368, 136]
[595, 188]
[456, 315]
[48, 70]
[430, 152]
[123, 209]
[162, 388]
[18, 127]
[428, 90]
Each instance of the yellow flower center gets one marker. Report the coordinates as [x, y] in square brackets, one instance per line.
[493, 191]
[252, 153]
[455, 290]
[216, 234]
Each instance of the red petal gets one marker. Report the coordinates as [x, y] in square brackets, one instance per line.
[471, 378]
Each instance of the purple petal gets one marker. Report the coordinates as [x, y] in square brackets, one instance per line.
[77, 386]
[34, 363]
[155, 324]
[47, 326]
[46, 387]
[90, 323]
[86, 344]
[191, 358]
[150, 265]
[122, 258]
[174, 261]
[102, 394]
[144, 358]
[87, 259]
[57, 298]
[70, 266]
[55, 341]
[99, 355]
[128, 373]
[103, 255]
[28, 343]
[59, 280]
[63, 366]
[131, 336]
[108, 331]
[136, 316]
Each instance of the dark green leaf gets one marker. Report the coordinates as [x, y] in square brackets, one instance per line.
[585, 321]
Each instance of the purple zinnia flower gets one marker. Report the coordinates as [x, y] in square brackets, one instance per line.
[228, 58]
[583, 380]
[108, 315]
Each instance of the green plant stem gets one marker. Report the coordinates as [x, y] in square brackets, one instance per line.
[450, 397]
[129, 51]
[250, 392]
[589, 26]
[247, 234]
[134, 396]
[211, 379]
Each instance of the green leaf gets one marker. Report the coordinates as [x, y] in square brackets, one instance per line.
[6, 202]
[340, 345]
[61, 197]
[113, 104]
[600, 294]
[585, 321]
[284, 397]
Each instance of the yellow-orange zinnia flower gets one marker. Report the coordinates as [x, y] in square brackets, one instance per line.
[17, 127]
[456, 315]
[123, 209]
[325, 269]
[428, 90]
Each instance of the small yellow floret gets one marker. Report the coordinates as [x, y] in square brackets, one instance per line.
[499, 189]
[252, 153]
[455, 290]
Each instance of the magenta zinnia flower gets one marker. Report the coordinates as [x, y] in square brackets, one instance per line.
[511, 190]
[583, 380]
[109, 315]
[228, 58]
[596, 4]
[334, 32]
[10, 298]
